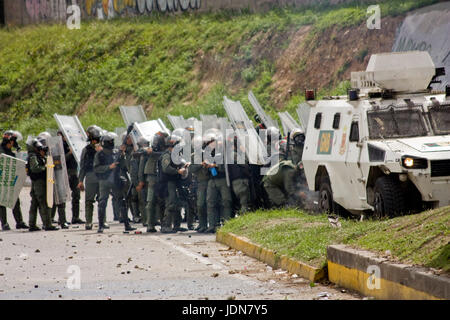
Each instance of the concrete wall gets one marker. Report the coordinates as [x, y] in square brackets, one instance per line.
[20, 12]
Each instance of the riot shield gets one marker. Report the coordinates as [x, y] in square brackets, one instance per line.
[147, 130]
[246, 133]
[119, 132]
[73, 132]
[303, 111]
[12, 179]
[209, 121]
[177, 122]
[50, 181]
[190, 122]
[226, 146]
[268, 121]
[132, 114]
[287, 122]
[61, 186]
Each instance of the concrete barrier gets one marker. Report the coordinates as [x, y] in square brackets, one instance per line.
[271, 257]
[364, 272]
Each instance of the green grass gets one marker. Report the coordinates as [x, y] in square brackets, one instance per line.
[421, 239]
[48, 68]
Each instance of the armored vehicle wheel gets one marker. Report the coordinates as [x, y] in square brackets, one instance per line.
[389, 198]
[326, 203]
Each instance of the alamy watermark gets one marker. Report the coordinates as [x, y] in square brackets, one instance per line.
[229, 147]
[74, 280]
[374, 20]
[374, 280]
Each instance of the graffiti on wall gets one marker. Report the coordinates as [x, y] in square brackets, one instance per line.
[56, 9]
[46, 9]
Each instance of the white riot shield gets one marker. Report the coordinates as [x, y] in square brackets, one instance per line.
[190, 122]
[177, 122]
[246, 133]
[147, 130]
[119, 132]
[61, 190]
[287, 122]
[210, 121]
[303, 111]
[265, 118]
[73, 132]
[132, 114]
[12, 179]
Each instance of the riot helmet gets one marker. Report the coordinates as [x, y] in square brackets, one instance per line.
[107, 141]
[297, 136]
[13, 137]
[93, 133]
[142, 142]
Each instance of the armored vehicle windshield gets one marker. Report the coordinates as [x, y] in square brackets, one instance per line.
[440, 119]
[395, 122]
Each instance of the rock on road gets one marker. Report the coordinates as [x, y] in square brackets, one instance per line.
[114, 265]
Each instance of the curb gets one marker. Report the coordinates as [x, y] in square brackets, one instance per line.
[348, 268]
[271, 257]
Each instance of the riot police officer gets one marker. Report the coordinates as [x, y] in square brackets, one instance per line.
[37, 170]
[72, 168]
[60, 207]
[87, 177]
[107, 165]
[297, 140]
[10, 139]
[148, 176]
[172, 173]
[217, 184]
[202, 177]
[281, 184]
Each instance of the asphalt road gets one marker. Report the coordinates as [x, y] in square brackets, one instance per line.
[115, 265]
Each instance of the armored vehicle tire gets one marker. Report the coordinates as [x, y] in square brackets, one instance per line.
[326, 203]
[389, 198]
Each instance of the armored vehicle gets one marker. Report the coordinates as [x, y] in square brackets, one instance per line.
[385, 147]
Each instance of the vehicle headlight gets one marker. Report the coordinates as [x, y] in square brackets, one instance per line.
[411, 162]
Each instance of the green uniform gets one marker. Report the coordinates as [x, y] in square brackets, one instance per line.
[61, 213]
[137, 199]
[109, 183]
[17, 212]
[72, 168]
[296, 153]
[240, 175]
[280, 183]
[91, 184]
[202, 175]
[148, 174]
[38, 174]
[172, 214]
[218, 190]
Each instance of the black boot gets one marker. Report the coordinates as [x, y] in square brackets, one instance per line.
[21, 225]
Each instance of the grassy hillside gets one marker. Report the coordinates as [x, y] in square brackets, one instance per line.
[183, 64]
[421, 239]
